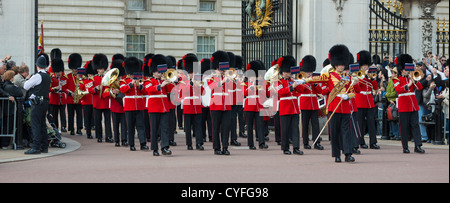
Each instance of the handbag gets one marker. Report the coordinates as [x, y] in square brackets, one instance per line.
[392, 112]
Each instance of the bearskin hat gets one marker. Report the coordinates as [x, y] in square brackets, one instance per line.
[118, 56]
[57, 65]
[171, 61]
[189, 63]
[239, 62]
[118, 63]
[156, 61]
[75, 61]
[285, 63]
[89, 69]
[132, 65]
[254, 66]
[339, 55]
[308, 64]
[364, 58]
[401, 60]
[232, 59]
[206, 65]
[351, 60]
[217, 58]
[55, 54]
[145, 66]
[100, 61]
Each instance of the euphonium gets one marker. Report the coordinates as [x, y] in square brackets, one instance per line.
[110, 80]
[273, 74]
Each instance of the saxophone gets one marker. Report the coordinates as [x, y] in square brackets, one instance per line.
[77, 93]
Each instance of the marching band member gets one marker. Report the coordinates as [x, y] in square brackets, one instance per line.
[158, 105]
[190, 93]
[147, 76]
[117, 105]
[171, 63]
[275, 109]
[309, 104]
[73, 99]
[288, 106]
[88, 100]
[253, 105]
[240, 97]
[220, 102]
[234, 107]
[101, 99]
[58, 96]
[338, 102]
[354, 124]
[364, 101]
[408, 107]
[134, 102]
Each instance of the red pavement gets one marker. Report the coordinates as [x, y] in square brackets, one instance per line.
[102, 162]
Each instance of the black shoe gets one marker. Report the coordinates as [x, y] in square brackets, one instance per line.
[338, 160]
[419, 150]
[124, 143]
[199, 147]
[318, 146]
[263, 146]
[63, 129]
[45, 151]
[72, 133]
[144, 147]
[287, 152]
[364, 146]
[298, 152]
[242, 135]
[90, 137]
[166, 152]
[155, 153]
[374, 146]
[307, 146]
[79, 133]
[117, 144]
[99, 140]
[172, 143]
[225, 152]
[32, 152]
[356, 151]
[349, 158]
[132, 148]
[181, 128]
[235, 143]
[217, 152]
[189, 147]
[109, 140]
[406, 151]
[252, 147]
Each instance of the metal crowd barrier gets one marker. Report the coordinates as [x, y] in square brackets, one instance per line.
[8, 112]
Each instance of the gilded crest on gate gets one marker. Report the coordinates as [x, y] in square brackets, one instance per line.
[261, 14]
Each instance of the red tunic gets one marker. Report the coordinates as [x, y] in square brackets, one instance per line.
[220, 98]
[254, 98]
[134, 99]
[191, 96]
[102, 100]
[308, 96]
[84, 86]
[407, 101]
[158, 101]
[364, 99]
[288, 100]
[58, 97]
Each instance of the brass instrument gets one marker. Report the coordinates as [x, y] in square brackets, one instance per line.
[76, 95]
[273, 74]
[360, 75]
[171, 75]
[300, 76]
[231, 73]
[417, 74]
[110, 80]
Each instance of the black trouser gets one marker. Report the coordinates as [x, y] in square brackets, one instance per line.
[119, 120]
[88, 110]
[39, 126]
[61, 110]
[233, 120]
[409, 124]
[172, 124]
[354, 129]
[254, 117]
[206, 123]
[159, 121]
[98, 123]
[180, 116]
[341, 139]
[71, 109]
[147, 130]
[136, 123]
[370, 115]
[220, 123]
[241, 119]
[193, 120]
[276, 123]
[307, 116]
[289, 128]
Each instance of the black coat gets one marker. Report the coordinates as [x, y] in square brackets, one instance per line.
[14, 91]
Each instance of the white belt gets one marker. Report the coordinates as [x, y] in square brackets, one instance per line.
[220, 94]
[238, 90]
[134, 97]
[231, 90]
[288, 98]
[157, 96]
[308, 95]
[407, 94]
[253, 97]
[366, 93]
[195, 97]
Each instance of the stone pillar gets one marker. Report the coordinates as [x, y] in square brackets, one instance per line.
[421, 16]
